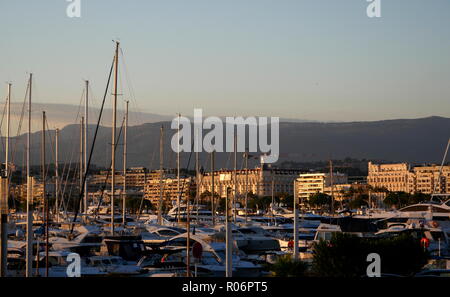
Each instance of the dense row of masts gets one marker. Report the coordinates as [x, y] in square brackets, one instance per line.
[83, 171]
[30, 244]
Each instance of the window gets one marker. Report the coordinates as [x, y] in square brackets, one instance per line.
[167, 233]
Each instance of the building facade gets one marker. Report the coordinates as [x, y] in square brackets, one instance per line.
[401, 177]
[311, 183]
[169, 188]
[136, 177]
[259, 181]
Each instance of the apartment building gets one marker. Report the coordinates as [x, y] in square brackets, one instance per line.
[312, 183]
[427, 179]
[136, 177]
[401, 177]
[260, 181]
[170, 189]
[394, 177]
[20, 191]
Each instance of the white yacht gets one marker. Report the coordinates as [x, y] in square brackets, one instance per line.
[197, 213]
[216, 255]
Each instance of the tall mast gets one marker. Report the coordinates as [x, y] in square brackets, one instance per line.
[295, 221]
[44, 196]
[178, 172]
[124, 194]
[81, 171]
[272, 194]
[8, 113]
[212, 190]
[4, 212]
[246, 184]
[235, 177]
[113, 142]
[228, 237]
[86, 122]
[57, 174]
[161, 168]
[331, 180]
[188, 223]
[29, 251]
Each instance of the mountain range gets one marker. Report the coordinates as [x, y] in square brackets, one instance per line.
[403, 140]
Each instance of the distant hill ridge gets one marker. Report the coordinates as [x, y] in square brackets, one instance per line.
[411, 140]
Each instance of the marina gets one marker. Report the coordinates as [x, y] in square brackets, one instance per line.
[224, 141]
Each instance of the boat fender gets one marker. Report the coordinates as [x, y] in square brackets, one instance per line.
[425, 242]
[291, 244]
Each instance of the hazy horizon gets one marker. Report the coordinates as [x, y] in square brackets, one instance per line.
[61, 115]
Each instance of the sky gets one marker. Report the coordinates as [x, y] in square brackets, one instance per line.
[321, 60]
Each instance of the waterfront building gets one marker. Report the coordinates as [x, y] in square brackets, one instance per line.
[402, 177]
[312, 183]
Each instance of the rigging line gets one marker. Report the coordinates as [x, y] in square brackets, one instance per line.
[68, 167]
[187, 170]
[149, 169]
[70, 163]
[52, 159]
[64, 173]
[131, 90]
[105, 183]
[52, 142]
[3, 144]
[72, 184]
[72, 143]
[92, 98]
[65, 184]
[74, 148]
[127, 76]
[52, 145]
[1, 124]
[71, 188]
[93, 144]
[19, 127]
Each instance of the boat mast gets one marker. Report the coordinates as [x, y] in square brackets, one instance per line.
[198, 184]
[29, 251]
[178, 172]
[161, 168]
[124, 194]
[228, 238]
[81, 171]
[246, 184]
[57, 174]
[4, 212]
[332, 194]
[8, 119]
[44, 196]
[86, 111]
[235, 177]
[295, 221]
[113, 142]
[212, 189]
[272, 194]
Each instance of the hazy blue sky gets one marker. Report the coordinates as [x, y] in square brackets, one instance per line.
[310, 59]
